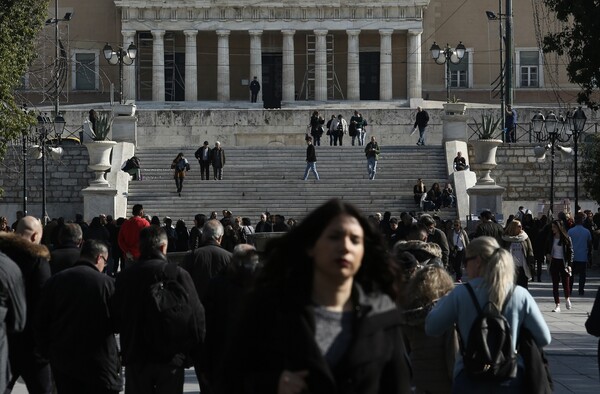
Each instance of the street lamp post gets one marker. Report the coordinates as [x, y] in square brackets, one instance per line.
[120, 57]
[43, 128]
[446, 56]
[55, 21]
[576, 125]
[554, 132]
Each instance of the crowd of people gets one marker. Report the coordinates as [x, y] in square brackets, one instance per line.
[338, 302]
[336, 128]
[434, 198]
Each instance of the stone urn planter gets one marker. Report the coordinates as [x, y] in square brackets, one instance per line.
[485, 158]
[124, 109]
[455, 108]
[99, 160]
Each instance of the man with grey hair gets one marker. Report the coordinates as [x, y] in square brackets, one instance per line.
[24, 248]
[210, 259]
[155, 365]
[70, 238]
[217, 159]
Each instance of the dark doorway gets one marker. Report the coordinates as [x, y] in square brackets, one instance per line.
[369, 75]
[175, 77]
[271, 85]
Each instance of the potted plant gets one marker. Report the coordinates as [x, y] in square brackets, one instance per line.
[485, 146]
[100, 147]
[454, 107]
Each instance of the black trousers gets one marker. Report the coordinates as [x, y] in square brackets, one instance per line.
[179, 183]
[37, 375]
[66, 384]
[204, 169]
[153, 378]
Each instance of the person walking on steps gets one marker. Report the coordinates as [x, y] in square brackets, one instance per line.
[421, 121]
[311, 160]
[203, 157]
[372, 153]
[254, 89]
[180, 166]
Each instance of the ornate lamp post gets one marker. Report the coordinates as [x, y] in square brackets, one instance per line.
[576, 124]
[120, 57]
[446, 56]
[43, 129]
[554, 132]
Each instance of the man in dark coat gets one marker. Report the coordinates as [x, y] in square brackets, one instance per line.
[73, 326]
[203, 157]
[311, 160]
[263, 225]
[147, 369]
[14, 306]
[436, 236]
[210, 259]
[421, 121]
[254, 89]
[66, 255]
[24, 248]
[488, 227]
[217, 159]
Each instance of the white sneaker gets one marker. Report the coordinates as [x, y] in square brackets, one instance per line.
[568, 303]
[557, 309]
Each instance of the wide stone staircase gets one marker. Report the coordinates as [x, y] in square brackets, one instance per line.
[258, 179]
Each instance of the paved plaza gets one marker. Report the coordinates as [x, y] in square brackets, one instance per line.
[572, 354]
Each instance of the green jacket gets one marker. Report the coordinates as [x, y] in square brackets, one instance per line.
[372, 149]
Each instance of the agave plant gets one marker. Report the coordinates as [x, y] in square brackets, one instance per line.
[487, 127]
[103, 125]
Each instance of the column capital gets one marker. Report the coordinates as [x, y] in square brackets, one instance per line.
[255, 32]
[353, 32]
[128, 33]
[386, 32]
[158, 33]
[415, 32]
[190, 33]
[288, 32]
[320, 32]
[223, 32]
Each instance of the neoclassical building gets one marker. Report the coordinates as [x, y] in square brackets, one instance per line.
[345, 50]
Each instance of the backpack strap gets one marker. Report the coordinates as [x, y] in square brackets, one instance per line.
[474, 298]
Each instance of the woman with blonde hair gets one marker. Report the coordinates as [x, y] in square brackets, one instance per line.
[491, 273]
[517, 242]
[432, 358]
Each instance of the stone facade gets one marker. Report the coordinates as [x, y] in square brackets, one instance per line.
[64, 181]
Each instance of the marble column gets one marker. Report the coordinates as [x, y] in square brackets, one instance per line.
[353, 65]
[256, 59]
[413, 69]
[191, 65]
[158, 65]
[288, 80]
[321, 65]
[128, 71]
[385, 64]
[223, 88]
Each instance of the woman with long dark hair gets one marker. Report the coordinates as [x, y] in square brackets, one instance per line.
[491, 273]
[322, 317]
[180, 165]
[559, 254]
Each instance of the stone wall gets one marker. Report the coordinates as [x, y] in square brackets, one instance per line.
[65, 179]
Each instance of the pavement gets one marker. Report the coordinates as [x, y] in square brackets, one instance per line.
[572, 354]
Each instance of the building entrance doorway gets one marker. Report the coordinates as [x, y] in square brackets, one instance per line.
[271, 82]
[369, 75]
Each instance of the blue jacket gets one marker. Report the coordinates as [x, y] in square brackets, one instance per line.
[457, 308]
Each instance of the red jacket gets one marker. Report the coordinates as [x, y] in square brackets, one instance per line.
[129, 235]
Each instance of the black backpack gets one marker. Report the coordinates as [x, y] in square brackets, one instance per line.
[488, 354]
[168, 316]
